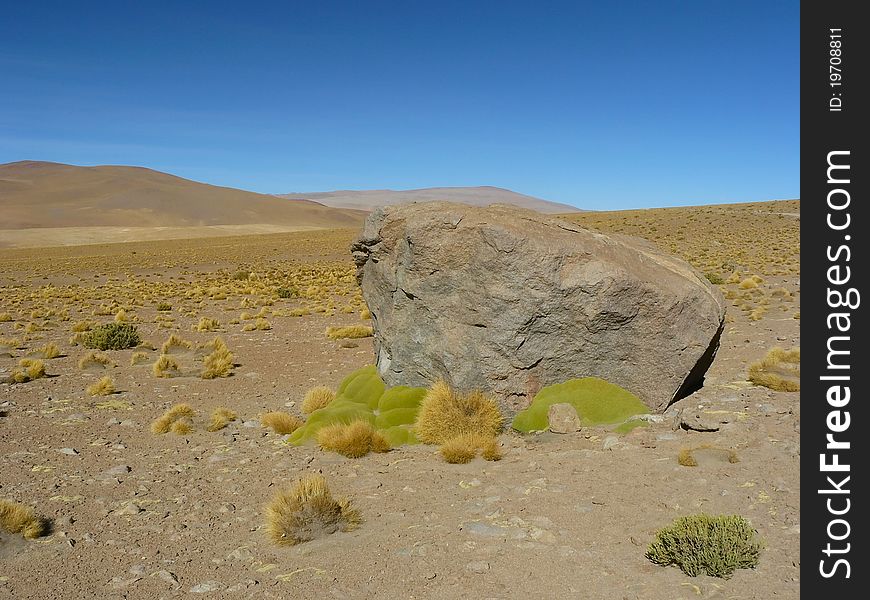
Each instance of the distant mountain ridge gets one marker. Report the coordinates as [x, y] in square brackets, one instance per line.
[36, 194]
[477, 196]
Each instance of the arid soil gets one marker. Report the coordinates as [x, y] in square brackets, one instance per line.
[138, 515]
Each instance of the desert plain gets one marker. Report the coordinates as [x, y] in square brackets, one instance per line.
[139, 515]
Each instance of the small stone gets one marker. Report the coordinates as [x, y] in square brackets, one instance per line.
[252, 423]
[166, 576]
[542, 535]
[137, 570]
[206, 587]
[116, 471]
[479, 566]
[69, 451]
[131, 509]
[483, 529]
[128, 423]
[610, 441]
[242, 553]
[563, 418]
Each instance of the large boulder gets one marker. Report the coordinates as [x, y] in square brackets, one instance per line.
[508, 300]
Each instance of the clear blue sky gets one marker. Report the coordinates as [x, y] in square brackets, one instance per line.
[600, 104]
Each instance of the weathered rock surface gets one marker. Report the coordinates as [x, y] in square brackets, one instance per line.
[563, 418]
[509, 300]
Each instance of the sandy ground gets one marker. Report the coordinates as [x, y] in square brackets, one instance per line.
[144, 516]
[40, 237]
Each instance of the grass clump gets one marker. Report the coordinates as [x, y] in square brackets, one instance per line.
[164, 307]
[137, 358]
[220, 418]
[169, 421]
[219, 362]
[207, 324]
[175, 343]
[287, 292]
[779, 370]
[103, 387]
[48, 351]
[17, 518]
[111, 336]
[95, 359]
[704, 544]
[307, 511]
[165, 366]
[280, 422]
[714, 278]
[349, 332]
[317, 398]
[463, 448]
[28, 369]
[352, 440]
[445, 414]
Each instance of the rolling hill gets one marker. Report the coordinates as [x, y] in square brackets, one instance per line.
[476, 196]
[37, 194]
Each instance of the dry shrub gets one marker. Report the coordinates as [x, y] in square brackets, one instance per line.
[280, 422]
[352, 440]
[306, 511]
[165, 366]
[220, 418]
[748, 284]
[219, 363]
[17, 518]
[445, 414]
[349, 332]
[182, 427]
[178, 413]
[207, 324]
[317, 398]
[95, 359]
[138, 358]
[103, 387]
[28, 369]
[686, 458]
[175, 343]
[48, 351]
[463, 448]
[780, 370]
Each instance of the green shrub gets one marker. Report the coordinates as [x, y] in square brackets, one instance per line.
[714, 278]
[597, 402]
[698, 544]
[287, 292]
[112, 336]
[164, 307]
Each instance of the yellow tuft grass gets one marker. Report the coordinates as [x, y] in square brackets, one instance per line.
[173, 343]
[138, 358]
[10, 342]
[28, 369]
[182, 427]
[686, 458]
[48, 351]
[352, 440]
[779, 370]
[748, 284]
[207, 324]
[365, 314]
[445, 414]
[280, 422]
[17, 518]
[5, 317]
[219, 363]
[306, 511]
[95, 359]
[463, 448]
[349, 332]
[165, 366]
[220, 418]
[103, 387]
[179, 412]
[316, 398]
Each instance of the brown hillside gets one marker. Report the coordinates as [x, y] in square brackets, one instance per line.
[44, 195]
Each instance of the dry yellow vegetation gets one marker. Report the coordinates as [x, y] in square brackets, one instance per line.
[220, 418]
[17, 518]
[779, 370]
[316, 398]
[280, 422]
[445, 414]
[103, 387]
[307, 511]
[178, 413]
[353, 440]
